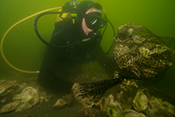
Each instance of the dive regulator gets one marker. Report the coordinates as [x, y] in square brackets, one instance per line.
[72, 8]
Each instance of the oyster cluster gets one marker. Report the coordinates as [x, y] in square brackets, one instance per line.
[25, 100]
[6, 89]
[143, 105]
[23, 96]
[140, 54]
[112, 108]
[152, 106]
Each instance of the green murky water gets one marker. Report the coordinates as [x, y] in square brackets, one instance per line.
[24, 50]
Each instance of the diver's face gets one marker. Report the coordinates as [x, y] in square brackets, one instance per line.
[84, 22]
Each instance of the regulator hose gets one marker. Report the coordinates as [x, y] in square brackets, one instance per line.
[58, 46]
[39, 14]
[5, 34]
[40, 37]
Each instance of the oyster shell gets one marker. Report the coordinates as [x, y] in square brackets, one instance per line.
[169, 107]
[8, 94]
[4, 85]
[6, 90]
[65, 100]
[140, 101]
[114, 109]
[23, 106]
[59, 103]
[29, 94]
[43, 97]
[19, 87]
[10, 106]
[26, 99]
[157, 108]
[129, 113]
[108, 105]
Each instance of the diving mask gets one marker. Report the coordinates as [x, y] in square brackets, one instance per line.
[94, 21]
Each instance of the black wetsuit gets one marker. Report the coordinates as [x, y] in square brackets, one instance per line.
[59, 64]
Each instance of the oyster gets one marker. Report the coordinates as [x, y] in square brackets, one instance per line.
[10, 106]
[8, 94]
[43, 97]
[6, 90]
[140, 101]
[65, 100]
[158, 108]
[129, 113]
[23, 106]
[26, 99]
[19, 87]
[29, 94]
[104, 107]
[169, 107]
[154, 108]
[114, 109]
[4, 85]
[59, 103]
[108, 105]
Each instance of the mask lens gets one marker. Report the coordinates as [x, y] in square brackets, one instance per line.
[102, 23]
[94, 21]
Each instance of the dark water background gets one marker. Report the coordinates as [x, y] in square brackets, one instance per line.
[25, 51]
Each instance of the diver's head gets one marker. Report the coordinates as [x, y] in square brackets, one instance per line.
[91, 17]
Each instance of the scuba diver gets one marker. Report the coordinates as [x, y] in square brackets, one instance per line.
[77, 34]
